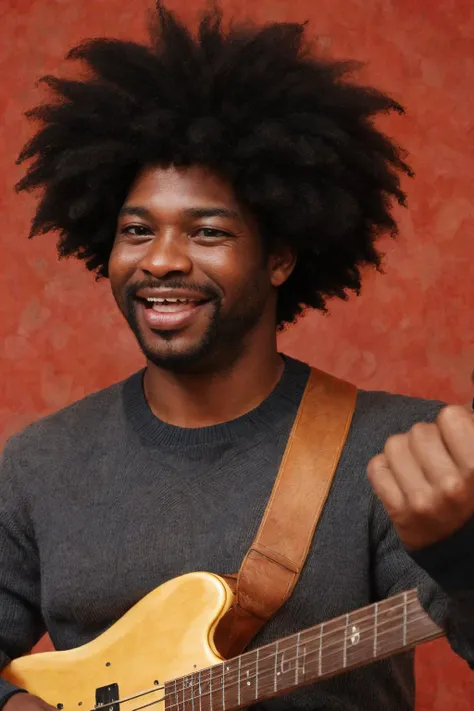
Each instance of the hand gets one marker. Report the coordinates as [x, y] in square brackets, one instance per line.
[27, 702]
[425, 478]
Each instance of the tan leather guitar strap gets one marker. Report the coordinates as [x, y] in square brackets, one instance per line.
[271, 568]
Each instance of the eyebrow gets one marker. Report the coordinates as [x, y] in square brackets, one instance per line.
[225, 212]
[135, 210]
[195, 212]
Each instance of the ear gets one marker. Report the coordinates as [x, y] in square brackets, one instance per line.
[281, 263]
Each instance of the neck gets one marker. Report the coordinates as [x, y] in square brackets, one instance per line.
[359, 637]
[212, 397]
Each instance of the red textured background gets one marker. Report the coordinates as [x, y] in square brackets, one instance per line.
[410, 331]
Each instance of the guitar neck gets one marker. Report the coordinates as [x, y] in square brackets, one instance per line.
[365, 635]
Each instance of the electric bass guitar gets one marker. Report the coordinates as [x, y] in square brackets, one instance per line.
[161, 654]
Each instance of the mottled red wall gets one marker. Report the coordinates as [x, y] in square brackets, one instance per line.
[410, 331]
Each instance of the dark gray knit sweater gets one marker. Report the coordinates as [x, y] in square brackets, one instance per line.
[102, 502]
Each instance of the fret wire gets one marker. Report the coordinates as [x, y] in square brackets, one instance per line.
[200, 690]
[404, 619]
[320, 662]
[423, 619]
[344, 651]
[183, 684]
[210, 688]
[192, 694]
[176, 692]
[238, 683]
[304, 660]
[223, 688]
[376, 619]
[297, 655]
[256, 674]
[275, 682]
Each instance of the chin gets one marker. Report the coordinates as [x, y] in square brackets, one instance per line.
[180, 362]
[178, 357]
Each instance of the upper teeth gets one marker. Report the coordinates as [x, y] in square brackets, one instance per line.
[168, 301]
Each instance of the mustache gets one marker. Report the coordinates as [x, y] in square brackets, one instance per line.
[202, 289]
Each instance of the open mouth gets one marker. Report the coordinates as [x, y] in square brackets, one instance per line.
[169, 305]
[170, 313]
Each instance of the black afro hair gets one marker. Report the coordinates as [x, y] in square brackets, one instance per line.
[291, 131]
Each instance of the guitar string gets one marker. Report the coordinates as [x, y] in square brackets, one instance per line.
[335, 647]
[410, 593]
[219, 689]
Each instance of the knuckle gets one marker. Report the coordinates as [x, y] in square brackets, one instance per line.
[394, 444]
[422, 505]
[449, 415]
[454, 489]
[421, 432]
[375, 464]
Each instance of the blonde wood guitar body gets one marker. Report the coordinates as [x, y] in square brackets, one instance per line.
[168, 634]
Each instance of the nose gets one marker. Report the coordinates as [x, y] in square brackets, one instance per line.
[167, 254]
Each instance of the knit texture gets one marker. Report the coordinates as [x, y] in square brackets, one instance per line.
[102, 502]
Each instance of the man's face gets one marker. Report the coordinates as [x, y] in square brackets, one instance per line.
[188, 269]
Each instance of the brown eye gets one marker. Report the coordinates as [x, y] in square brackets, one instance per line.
[136, 230]
[211, 232]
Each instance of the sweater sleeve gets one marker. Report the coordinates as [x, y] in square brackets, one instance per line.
[21, 624]
[395, 571]
[450, 562]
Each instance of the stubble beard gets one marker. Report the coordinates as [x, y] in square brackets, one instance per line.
[221, 343]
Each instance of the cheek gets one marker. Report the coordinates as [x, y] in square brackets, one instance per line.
[119, 272]
[227, 275]
[121, 266]
[231, 268]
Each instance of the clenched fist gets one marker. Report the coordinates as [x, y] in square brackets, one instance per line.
[425, 478]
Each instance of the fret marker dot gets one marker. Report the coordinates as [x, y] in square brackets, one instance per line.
[248, 683]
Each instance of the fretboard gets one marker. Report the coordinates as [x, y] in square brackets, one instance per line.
[346, 642]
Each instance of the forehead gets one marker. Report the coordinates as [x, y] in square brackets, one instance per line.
[180, 188]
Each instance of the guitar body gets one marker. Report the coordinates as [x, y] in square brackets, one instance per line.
[166, 635]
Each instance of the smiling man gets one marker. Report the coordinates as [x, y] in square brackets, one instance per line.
[224, 183]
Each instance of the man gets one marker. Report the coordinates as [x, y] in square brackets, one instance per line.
[223, 184]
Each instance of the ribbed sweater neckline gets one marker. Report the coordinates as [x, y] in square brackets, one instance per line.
[265, 417]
